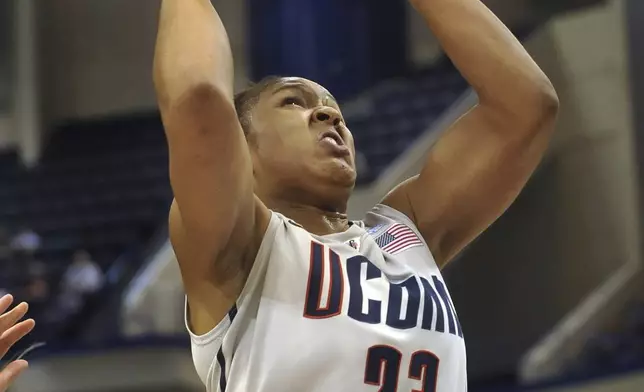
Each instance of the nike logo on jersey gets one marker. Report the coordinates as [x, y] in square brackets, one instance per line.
[417, 302]
[355, 244]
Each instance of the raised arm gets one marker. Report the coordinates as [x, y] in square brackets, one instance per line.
[213, 216]
[478, 167]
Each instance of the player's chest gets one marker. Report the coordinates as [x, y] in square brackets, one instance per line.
[363, 288]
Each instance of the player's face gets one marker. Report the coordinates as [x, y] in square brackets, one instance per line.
[299, 138]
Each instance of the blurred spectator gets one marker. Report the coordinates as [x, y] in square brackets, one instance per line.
[37, 290]
[82, 279]
[25, 243]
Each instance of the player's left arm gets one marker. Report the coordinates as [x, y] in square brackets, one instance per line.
[478, 167]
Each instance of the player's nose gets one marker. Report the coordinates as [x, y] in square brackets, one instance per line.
[326, 115]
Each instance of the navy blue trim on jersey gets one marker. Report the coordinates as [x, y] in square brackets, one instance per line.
[222, 370]
[220, 354]
[232, 312]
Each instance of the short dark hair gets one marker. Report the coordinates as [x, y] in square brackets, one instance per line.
[246, 99]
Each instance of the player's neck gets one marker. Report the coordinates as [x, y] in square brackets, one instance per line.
[314, 219]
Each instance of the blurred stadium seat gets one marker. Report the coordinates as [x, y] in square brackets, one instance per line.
[399, 111]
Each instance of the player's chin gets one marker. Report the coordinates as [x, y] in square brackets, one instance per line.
[339, 170]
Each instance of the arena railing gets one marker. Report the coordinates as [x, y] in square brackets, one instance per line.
[153, 302]
[559, 348]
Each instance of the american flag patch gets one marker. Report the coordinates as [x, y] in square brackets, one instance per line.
[398, 238]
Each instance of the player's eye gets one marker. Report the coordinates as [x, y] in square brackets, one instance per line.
[293, 101]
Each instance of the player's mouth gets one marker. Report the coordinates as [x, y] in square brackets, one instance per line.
[332, 140]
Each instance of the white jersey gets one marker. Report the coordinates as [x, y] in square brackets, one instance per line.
[363, 310]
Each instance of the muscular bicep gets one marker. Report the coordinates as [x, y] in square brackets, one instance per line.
[210, 171]
[210, 168]
[472, 175]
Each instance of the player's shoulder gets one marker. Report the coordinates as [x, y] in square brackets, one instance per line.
[282, 228]
[293, 223]
[280, 221]
[382, 216]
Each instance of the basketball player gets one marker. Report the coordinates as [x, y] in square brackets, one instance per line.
[11, 330]
[284, 293]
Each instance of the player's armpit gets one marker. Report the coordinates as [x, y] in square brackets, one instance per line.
[473, 174]
[213, 281]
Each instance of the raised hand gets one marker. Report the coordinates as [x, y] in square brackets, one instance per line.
[12, 330]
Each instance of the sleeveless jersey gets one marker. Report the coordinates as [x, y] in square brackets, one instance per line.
[362, 310]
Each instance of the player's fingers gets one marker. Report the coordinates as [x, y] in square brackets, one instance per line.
[11, 372]
[13, 334]
[5, 302]
[11, 317]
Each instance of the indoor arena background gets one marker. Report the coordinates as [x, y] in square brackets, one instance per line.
[549, 297]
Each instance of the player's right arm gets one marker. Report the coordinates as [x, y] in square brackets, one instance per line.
[214, 217]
